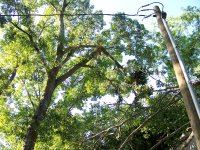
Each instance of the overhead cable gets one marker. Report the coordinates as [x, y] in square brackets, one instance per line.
[91, 14]
[95, 14]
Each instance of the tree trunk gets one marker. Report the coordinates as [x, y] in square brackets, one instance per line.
[41, 110]
[52, 83]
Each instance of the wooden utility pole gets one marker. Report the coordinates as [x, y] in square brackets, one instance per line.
[187, 97]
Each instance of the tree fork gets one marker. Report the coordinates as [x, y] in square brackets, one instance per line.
[41, 110]
[187, 98]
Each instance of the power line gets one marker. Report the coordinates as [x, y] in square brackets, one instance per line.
[139, 9]
[91, 14]
[144, 6]
[98, 14]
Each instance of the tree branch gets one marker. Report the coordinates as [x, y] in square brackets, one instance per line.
[112, 58]
[29, 96]
[146, 121]
[108, 129]
[114, 126]
[61, 37]
[71, 51]
[176, 88]
[53, 6]
[169, 136]
[78, 66]
[74, 47]
[12, 76]
[32, 42]
[185, 143]
[46, 24]
[15, 25]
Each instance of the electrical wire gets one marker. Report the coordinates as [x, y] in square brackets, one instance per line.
[149, 5]
[149, 15]
[92, 14]
[99, 14]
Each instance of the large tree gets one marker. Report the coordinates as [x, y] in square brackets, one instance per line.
[66, 53]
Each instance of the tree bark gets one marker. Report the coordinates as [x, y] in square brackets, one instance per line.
[41, 110]
[32, 132]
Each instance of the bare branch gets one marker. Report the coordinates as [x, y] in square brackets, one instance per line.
[146, 121]
[169, 136]
[185, 143]
[108, 129]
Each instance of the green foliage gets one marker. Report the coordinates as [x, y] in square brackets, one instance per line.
[32, 47]
[185, 30]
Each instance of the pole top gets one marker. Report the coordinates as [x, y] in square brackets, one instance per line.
[157, 10]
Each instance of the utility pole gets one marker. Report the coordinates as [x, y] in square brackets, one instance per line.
[182, 83]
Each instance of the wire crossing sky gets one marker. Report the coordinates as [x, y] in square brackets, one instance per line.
[129, 8]
[140, 9]
[173, 8]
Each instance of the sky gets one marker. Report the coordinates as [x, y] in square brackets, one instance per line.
[171, 7]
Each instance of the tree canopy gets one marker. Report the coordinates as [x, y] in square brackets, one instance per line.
[53, 64]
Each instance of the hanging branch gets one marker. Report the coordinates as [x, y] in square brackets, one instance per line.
[112, 58]
[71, 50]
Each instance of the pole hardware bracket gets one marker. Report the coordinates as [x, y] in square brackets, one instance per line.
[163, 15]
